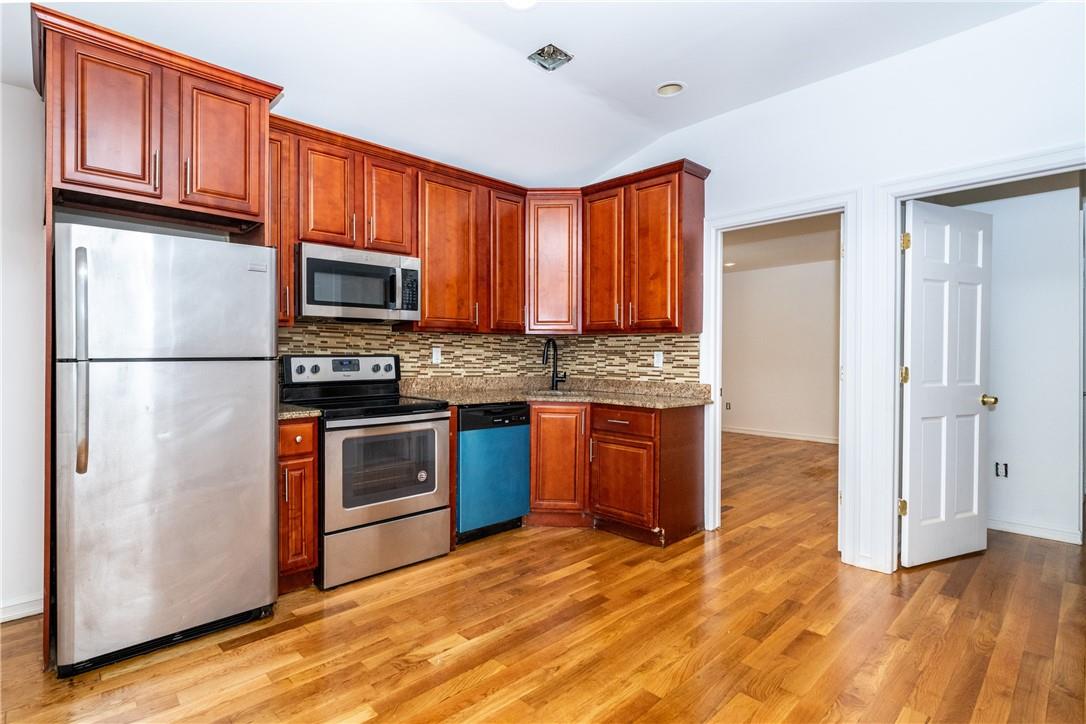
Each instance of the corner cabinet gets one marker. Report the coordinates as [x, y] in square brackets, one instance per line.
[133, 126]
[558, 465]
[506, 280]
[643, 239]
[297, 487]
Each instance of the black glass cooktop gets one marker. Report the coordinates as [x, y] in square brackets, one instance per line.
[375, 406]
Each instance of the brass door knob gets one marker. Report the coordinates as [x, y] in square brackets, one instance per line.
[989, 400]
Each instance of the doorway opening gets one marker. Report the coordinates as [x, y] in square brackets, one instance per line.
[781, 370]
[992, 415]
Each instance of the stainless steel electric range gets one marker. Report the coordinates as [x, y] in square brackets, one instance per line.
[384, 464]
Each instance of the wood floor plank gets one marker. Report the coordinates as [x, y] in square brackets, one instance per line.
[756, 622]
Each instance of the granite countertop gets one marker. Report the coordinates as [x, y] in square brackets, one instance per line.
[294, 412]
[490, 390]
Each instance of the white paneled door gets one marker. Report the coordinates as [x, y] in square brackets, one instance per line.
[948, 275]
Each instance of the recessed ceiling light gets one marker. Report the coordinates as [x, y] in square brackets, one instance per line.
[521, 4]
[729, 263]
[550, 57]
[671, 88]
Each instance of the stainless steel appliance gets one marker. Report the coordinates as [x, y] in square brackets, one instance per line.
[384, 462]
[352, 284]
[165, 439]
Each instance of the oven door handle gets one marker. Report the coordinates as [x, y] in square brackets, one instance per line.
[391, 420]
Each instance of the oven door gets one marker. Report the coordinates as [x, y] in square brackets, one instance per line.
[386, 468]
[347, 283]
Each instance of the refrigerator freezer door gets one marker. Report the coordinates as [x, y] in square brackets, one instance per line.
[173, 523]
[154, 296]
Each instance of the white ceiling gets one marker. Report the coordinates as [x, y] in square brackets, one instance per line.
[450, 80]
[801, 241]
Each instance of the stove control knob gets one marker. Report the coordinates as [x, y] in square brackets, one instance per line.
[300, 369]
[376, 368]
[315, 369]
[388, 368]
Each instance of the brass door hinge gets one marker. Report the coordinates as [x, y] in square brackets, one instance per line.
[904, 375]
[906, 241]
[902, 507]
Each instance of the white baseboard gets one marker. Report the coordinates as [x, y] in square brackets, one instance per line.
[1064, 536]
[783, 435]
[20, 609]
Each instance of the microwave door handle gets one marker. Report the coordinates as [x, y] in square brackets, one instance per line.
[396, 290]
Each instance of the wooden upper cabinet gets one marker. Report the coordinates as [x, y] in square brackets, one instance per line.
[604, 260]
[390, 206]
[654, 262]
[327, 197]
[558, 458]
[222, 146]
[111, 117]
[133, 126]
[278, 228]
[506, 262]
[623, 476]
[448, 253]
[554, 263]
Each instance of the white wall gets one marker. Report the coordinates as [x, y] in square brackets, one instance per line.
[1010, 88]
[780, 351]
[22, 349]
[1036, 364]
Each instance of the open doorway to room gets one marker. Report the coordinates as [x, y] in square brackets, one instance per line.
[781, 380]
[992, 405]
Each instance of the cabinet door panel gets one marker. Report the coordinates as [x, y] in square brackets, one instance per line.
[222, 154]
[622, 479]
[112, 120]
[655, 263]
[447, 253]
[554, 264]
[278, 226]
[297, 515]
[326, 193]
[604, 241]
[390, 206]
[506, 262]
[557, 457]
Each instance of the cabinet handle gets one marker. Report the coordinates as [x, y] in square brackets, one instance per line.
[619, 422]
[188, 178]
[629, 319]
[373, 229]
[353, 219]
[297, 438]
[286, 299]
[154, 170]
[618, 314]
[477, 314]
[286, 485]
[591, 450]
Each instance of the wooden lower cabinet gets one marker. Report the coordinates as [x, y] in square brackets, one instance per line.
[297, 486]
[558, 474]
[647, 483]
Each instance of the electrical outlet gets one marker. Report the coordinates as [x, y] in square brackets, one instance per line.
[435, 355]
[657, 359]
[727, 405]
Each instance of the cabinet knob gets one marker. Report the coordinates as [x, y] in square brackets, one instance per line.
[297, 438]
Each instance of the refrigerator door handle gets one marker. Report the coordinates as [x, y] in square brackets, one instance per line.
[81, 303]
[82, 415]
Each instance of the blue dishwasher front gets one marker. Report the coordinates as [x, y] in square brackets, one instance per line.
[491, 468]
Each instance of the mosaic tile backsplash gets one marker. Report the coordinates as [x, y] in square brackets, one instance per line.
[625, 357]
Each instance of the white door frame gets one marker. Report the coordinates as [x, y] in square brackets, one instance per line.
[889, 219]
[847, 204]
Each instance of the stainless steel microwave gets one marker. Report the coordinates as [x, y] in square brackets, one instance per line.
[342, 283]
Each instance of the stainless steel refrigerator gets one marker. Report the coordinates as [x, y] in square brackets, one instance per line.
[165, 439]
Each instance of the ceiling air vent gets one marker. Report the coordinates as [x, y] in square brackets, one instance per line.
[550, 57]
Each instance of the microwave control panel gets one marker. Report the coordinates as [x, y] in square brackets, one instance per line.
[410, 290]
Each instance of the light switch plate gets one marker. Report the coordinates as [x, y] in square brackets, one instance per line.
[435, 355]
[657, 359]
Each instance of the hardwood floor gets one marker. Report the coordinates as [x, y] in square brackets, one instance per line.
[755, 622]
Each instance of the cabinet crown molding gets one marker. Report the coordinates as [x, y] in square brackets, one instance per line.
[43, 18]
[683, 165]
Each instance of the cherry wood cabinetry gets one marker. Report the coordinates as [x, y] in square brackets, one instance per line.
[646, 472]
[297, 486]
[649, 226]
[506, 279]
[558, 474]
[133, 126]
[279, 224]
[448, 253]
[389, 206]
[329, 202]
[554, 263]
[604, 260]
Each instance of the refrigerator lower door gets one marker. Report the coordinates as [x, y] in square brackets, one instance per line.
[171, 524]
[124, 294]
